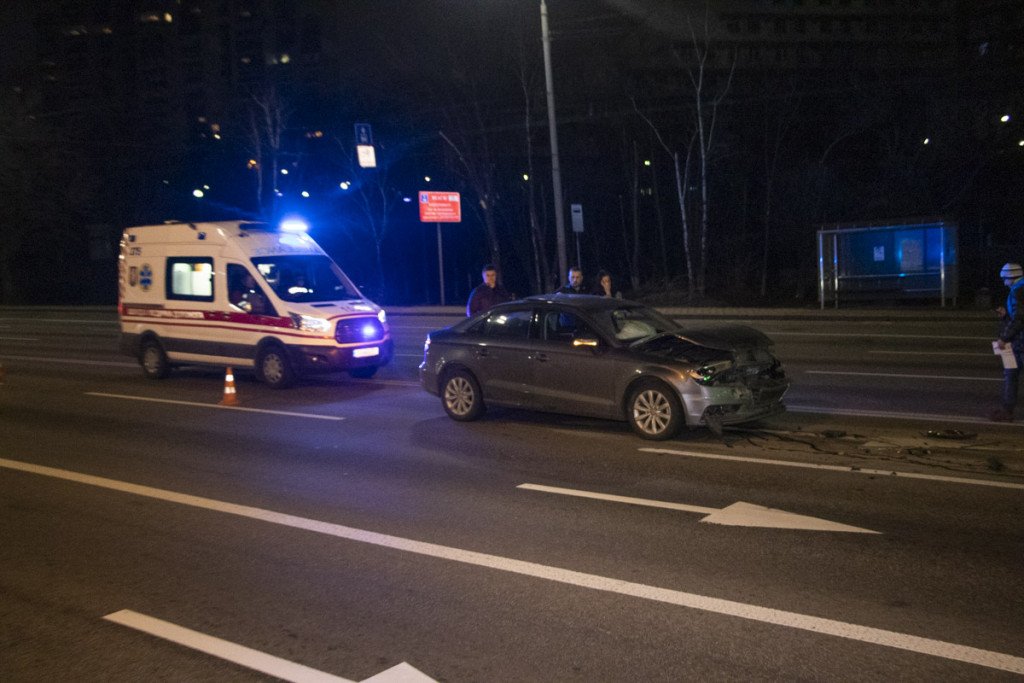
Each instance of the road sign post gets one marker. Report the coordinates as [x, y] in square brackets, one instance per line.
[577, 229]
[437, 208]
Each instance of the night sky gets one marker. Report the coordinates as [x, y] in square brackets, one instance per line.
[814, 114]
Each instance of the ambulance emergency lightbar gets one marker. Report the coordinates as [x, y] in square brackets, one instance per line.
[294, 225]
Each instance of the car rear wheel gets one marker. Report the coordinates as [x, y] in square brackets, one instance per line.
[461, 396]
[153, 360]
[274, 367]
[654, 411]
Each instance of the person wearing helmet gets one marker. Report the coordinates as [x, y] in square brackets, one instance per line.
[1011, 334]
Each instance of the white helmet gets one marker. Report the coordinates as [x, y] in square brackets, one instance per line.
[1011, 271]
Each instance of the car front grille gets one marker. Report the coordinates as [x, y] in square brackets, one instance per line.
[356, 330]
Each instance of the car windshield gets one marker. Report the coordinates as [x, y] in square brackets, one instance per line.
[305, 279]
[631, 323]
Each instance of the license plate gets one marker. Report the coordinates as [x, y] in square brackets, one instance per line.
[365, 352]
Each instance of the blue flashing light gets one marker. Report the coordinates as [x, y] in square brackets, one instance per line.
[294, 225]
[369, 332]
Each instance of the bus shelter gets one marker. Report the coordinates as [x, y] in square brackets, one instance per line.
[888, 262]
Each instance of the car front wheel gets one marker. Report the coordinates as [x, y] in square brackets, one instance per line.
[654, 411]
[461, 396]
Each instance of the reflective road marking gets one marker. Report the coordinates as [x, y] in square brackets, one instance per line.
[223, 649]
[795, 620]
[837, 468]
[737, 514]
[901, 376]
[312, 416]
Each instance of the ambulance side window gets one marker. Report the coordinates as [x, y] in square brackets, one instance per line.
[190, 278]
[245, 293]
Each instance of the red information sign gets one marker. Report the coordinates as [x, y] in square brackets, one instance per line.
[440, 207]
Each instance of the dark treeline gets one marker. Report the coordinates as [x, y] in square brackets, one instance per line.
[705, 153]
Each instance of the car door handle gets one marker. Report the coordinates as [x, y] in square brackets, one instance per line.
[542, 357]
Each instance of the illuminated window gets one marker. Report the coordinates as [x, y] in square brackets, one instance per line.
[190, 279]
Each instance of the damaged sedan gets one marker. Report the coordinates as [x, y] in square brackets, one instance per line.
[605, 358]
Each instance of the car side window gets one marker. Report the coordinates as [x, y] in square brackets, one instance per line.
[562, 327]
[506, 325]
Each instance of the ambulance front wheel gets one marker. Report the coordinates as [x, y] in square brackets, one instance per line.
[274, 367]
[153, 360]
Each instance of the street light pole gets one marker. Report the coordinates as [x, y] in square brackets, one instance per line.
[556, 174]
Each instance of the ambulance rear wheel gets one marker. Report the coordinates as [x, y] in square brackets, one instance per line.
[153, 360]
[274, 367]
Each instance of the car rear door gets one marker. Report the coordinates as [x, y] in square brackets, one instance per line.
[499, 354]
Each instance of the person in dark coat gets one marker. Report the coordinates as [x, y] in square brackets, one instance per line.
[1011, 335]
[575, 284]
[488, 293]
[604, 286]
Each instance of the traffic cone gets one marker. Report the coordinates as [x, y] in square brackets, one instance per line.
[230, 397]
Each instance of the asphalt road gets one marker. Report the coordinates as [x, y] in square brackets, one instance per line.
[349, 527]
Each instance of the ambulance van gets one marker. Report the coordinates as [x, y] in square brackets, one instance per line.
[241, 294]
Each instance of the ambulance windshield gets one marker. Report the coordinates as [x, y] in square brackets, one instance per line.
[306, 279]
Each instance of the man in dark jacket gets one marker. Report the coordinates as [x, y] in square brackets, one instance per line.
[575, 284]
[1012, 335]
[488, 293]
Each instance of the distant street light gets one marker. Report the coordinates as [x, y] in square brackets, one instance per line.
[197, 193]
[556, 173]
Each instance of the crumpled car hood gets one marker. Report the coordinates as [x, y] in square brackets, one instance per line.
[720, 337]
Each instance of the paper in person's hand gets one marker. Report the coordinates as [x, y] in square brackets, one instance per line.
[1006, 354]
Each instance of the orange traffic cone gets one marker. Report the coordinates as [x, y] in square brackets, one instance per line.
[230, 397]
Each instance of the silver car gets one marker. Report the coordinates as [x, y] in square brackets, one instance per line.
[606, 358]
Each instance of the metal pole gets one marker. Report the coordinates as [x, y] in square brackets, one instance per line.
[440, 261]
[556, 174]
[579, 259]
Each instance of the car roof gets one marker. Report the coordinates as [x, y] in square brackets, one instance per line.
[587, 302]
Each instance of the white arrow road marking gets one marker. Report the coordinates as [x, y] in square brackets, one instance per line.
[249, 658]
[668, 596]
[737, 514]
[312, 416]
[837, 468]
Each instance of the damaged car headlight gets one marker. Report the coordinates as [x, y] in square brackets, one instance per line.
[711, 372]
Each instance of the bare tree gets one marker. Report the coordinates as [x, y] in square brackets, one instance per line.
[268, 117]
[705, 115]
[377, 199]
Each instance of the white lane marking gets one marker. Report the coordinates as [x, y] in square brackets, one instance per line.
[821, 625]
[61, 320]
[18, 339]
[872, 336]
[902, 376]
[737, 514]
[889, 414]
[933, 353]
[836, 468]
[312, 416]
[223, 649]
[619, 499]
[71, 361]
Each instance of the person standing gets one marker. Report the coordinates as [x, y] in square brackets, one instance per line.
[488, 293]
[575, 284]
[604, 286]
[1012, 335]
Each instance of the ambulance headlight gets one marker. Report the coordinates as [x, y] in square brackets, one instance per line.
[310, 323]
[382, 316]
